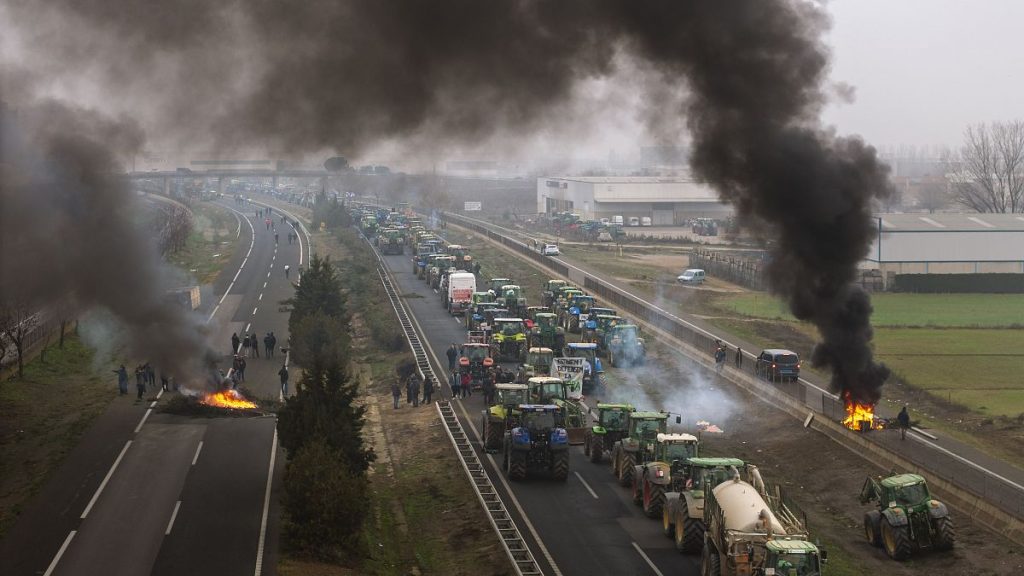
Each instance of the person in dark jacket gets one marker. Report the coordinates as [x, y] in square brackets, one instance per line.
[428, 390]
[414, 383]
[903, 418]
[283, 374]
[235, 342]
[140, 380]
[453, 356]
[122, 380]
[396, 392]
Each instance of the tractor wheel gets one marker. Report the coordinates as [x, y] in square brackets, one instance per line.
[711, 564]
[492, 435]
[586, 444]
[896, 540]
[638, 490]
[560, 466]
[689, 535]
[654, 499]
[626, 462]
[945, 533]
[517, 465]
[873, 528]
[668, 527]
[596, 449]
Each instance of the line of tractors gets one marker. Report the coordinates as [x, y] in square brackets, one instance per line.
[716, 506]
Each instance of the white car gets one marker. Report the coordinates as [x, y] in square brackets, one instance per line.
[691, 276]
[550, 250]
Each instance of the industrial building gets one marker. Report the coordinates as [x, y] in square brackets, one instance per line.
[667, 201]
[948, 244]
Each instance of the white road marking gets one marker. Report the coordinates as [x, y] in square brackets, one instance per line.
[268, 274]
[254, 310]
[646, 559]
[106, 479]
[264, 284]
[215, 308]
[173, 516]
[252, 242]
[247, 326]
[143, 421]
[198, 450]
[63, 548]
[260, 299]
[153, 403]
[266, 507]
[585, 485]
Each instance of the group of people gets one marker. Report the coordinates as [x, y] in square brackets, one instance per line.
[413, 385]
[145, 376]
[249, 346]
[722, 352]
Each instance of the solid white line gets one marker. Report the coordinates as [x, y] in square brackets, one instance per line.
[974, 465]
[254, 310]
[143, 421]
[160, 393]
[266, 507]
[198, 450]
[585, 485]
[252, 242]
[106, 479]
[173, 516]
[646, 559]
[212, 314]
[63, 548]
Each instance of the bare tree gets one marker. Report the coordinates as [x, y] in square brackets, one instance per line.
[933, 195]
[988, 171]
[18, 319]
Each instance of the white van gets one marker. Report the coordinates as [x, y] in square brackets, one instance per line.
[634, 221]
[617, 220]
[691, 276]
[461, 286]
[645, 221]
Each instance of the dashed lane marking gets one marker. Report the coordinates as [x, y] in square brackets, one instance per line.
[587, 486]
[199, 449]
[647, 559]
[173, 516]
[63, 548]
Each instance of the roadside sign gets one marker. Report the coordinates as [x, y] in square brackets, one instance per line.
[472, 206]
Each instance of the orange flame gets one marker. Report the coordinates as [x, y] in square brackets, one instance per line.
[227, 399]
[860, 416]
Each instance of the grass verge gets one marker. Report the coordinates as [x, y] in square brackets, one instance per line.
[210, 245]
[42, 416]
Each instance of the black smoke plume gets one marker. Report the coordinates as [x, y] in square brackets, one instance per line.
[748, 76]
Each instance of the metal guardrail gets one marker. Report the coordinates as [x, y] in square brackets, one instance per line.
[511, 539]
[967, 476]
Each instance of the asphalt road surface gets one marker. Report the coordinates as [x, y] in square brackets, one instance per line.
[584, 526]
[152, 493]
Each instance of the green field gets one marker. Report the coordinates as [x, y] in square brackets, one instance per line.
[931, 310]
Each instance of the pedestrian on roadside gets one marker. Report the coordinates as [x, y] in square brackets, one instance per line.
[122, 380]
[255, 342]
[396, 392]
[273, 343]
[415, 383]
[267, 345]
[275, 237]
[739, 357]
[489, 388]
[903, 418]
[163, 381]
[286, 269]
[453, 355]
[476, 268]
[467, 385]
[428, 390]
[408, 390]
[267, 222]
[151, 374]
[235, 342]
[454, 382]
[245, 344]
[140, 382]
[283, 373]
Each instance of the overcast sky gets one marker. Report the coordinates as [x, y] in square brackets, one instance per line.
[924, 69]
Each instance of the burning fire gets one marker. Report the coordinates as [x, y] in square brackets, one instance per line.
[227, 399]
[861, 416]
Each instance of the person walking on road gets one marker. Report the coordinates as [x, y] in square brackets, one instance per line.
[396, 392]
[453, 355]
[286, 269]
[283, 373]
[150, 374]
[122, 380]
[255, 344]
[164, 382]
[275, 238]
[428, 390]
[408, 390]
[267, 222]
[140, 382]
[273, 343]
[904, 421]
[739, 357]
[245, 345]
[235, 341]
[268, 345]
[466, 386]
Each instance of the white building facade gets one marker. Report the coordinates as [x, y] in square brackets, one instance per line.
[948, 244]
[667, 201]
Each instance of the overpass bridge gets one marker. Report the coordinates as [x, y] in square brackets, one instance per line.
[224, 175]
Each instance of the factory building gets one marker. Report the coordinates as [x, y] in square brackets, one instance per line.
[666, 201]
[948, 244]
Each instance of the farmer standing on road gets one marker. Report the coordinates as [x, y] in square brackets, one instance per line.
[286, 269]
[453, 355]
[428, 390]
[455, 382]
[414, 384]
[122, 380]
[396, 392]
[140, 381]
[904, 420]
[283, 373]
[739, 357]
[255, 342]
[235, 341]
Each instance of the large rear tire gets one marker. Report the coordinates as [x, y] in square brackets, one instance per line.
[873, 528]
[689, 535]
[517, 465]
[945, 533]
[637, 490]
[654, 499]
[596, 449]
[710, 564]
[493, 435]
[668, 526]
[896, 540]
[560, 465]
[626, 462]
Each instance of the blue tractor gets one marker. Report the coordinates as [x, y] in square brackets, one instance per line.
[537, 440]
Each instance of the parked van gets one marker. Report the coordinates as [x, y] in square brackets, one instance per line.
[461, 286]
[645, 221]
[634, 221]
[617, 220]
[778, 365]
[691, 276]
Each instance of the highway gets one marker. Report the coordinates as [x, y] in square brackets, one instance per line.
[587, 525]
[146, 492]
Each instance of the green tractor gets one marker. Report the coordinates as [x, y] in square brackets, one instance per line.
[682, 517]
[551, 290]
[463, 260]
[662, 472]
[907, 518]
[390, 241]
[475, 315]
[638, 444]
[538, 363]
[546, 332]
[440, 268]
[508, 339]
[511, 296]
[537, 441]
[494, 285]
[611, 426]
[563, 299]
[625, 346]
[502, 416]
[597, 328]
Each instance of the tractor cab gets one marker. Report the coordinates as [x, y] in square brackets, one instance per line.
[546, 332]
[625, 346]
[587, 351]
[531, 314]
[538, 361]
[511, 296]
[463, 261]
[551, 290]
[792, 557]
[546, 389]
[508, 338]
[476, 314]
[494, 284]
[705, 473]
[675, 449]
[597, 328]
